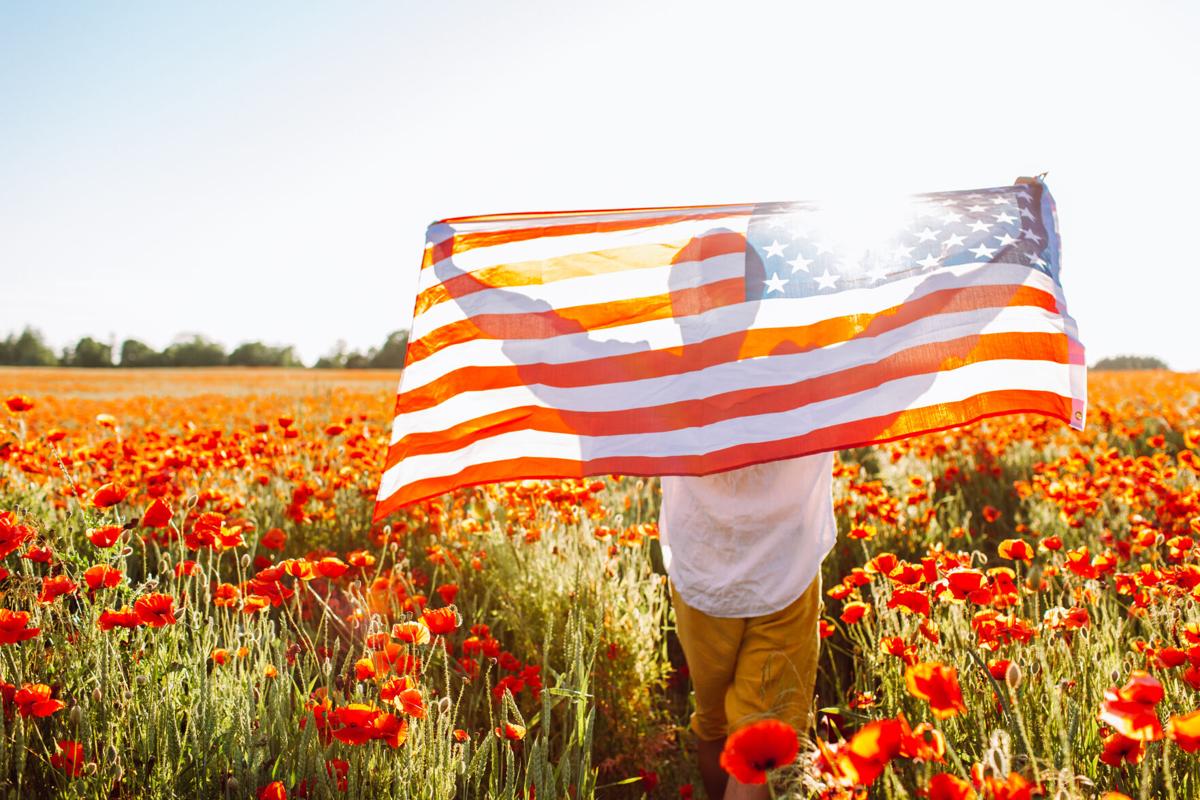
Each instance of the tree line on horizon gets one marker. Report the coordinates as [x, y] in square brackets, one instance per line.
[29, 349]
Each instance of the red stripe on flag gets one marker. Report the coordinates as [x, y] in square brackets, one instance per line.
[924, 359]
[577, 319]
[858, 433]
[720, 349]
[469, 240]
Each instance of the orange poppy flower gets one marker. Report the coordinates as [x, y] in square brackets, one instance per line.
[1016, 550]
[1184, 730]
[391, 729]
[937, 684]
[33, 700]
[511, 731]
[1130, 709]
[945, 786]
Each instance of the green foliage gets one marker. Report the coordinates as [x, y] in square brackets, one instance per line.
[1130, 362]
[257, 354]
[88, 353]
[139, 354]
[194, 351]
[28, 349]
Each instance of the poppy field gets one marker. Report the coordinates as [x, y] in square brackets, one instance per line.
[194, 601]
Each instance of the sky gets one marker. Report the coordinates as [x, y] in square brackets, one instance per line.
[266, 171]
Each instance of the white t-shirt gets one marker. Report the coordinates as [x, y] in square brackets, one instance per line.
[748, 541]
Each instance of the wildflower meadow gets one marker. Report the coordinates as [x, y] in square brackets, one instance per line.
[194, 602]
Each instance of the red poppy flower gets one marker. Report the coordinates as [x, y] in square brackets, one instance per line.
[18, 403]
[441, 620]
[158, 515]
[751, 752]
[511, 731]
[33, 699]
[448, 591]
[1119, 749]
[938, 685]
[331, 567]
[14, 626]
[54, 586]
[39, 555]
[69, 757]
[12, 535]
[853, 612]
[911, 600]
[109, 495]
[274, 539]
[274, 790]
[106, 536]
[991, 513]
[124, 618]
[155, 610]
[341, 769]
[353, 724]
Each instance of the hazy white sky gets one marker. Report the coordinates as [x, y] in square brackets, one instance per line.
[267, 170]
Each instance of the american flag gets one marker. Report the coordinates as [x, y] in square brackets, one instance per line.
[691, 340]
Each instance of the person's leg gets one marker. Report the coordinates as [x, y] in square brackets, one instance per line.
[776, 672]
[710, 646]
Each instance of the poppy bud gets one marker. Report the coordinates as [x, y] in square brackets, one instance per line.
[89, 769]
[191, 502]
[76, 716]
[97, 695]
[151, 585]
[141, 680]
[1114, 676]
[126, 696]
[444, 705]
[387, 530]
[1012, 675]
[126, 551]
[110, 753]
[245, 561]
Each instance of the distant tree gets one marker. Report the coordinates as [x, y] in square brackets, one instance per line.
[1130, 362]
[357, 360]
[194, 351]
[335, 358]
[88, 353]
[28, 349]
[257, 354]
[139, 354]
[391, 355]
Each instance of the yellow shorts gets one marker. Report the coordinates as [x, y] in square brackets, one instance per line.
[744, 669]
